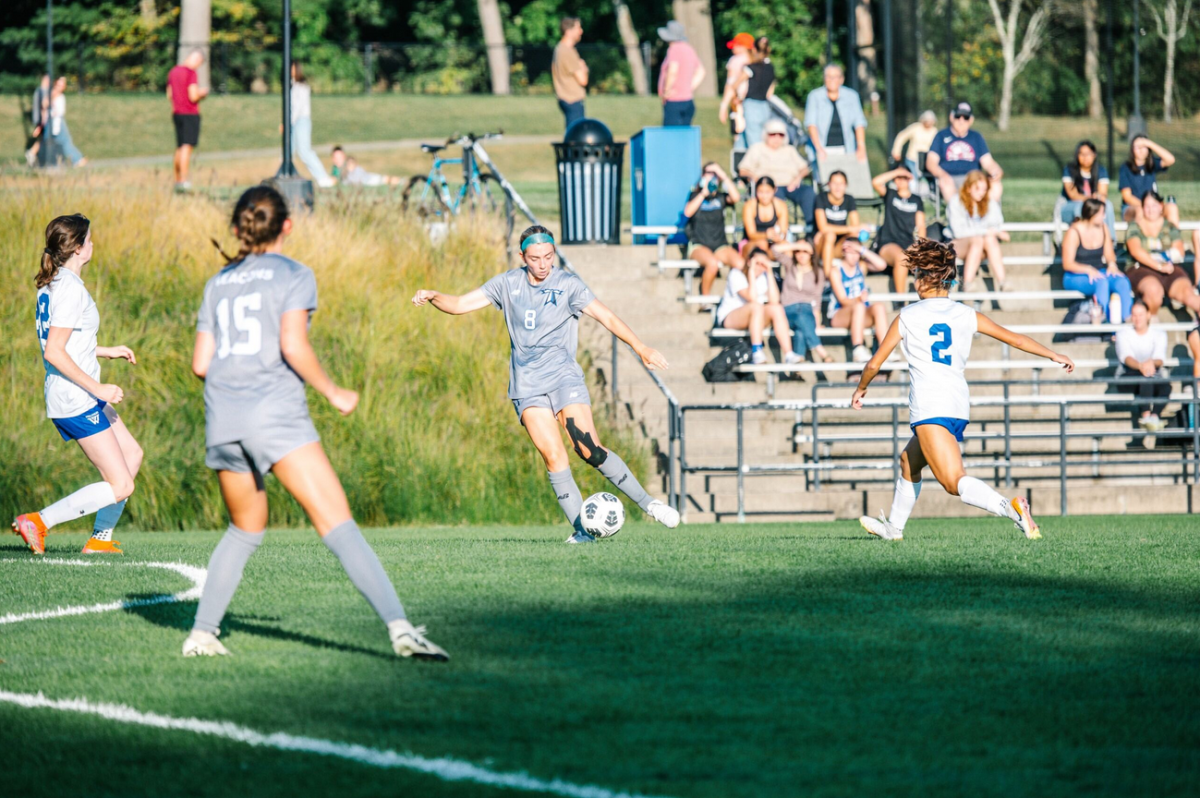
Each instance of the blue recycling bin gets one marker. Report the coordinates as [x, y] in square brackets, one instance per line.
[665, 163]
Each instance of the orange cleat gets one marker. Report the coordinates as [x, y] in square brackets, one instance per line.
[94, 546]
[32, 531]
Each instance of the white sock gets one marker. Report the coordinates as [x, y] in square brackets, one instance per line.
[904, 502]
[977, 494]
[84, 501]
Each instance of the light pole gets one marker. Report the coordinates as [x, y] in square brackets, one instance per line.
[47, 157]
[1136, 125]
[295, 189]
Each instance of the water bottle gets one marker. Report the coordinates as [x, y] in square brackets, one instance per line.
[864, 235]
[1096, 312]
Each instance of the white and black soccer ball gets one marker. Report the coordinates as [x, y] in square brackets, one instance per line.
[603, 515]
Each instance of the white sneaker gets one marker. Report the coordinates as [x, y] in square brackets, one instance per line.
[664, 514]
[860, 354]
[30, 158]
[1024, 519]
[881, 527]
[203, 644]
[326, 182]
[759, 357]
[580, 537]
[791, 358]
[410, 641]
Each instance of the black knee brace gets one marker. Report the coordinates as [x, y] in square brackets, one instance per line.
[582, 441]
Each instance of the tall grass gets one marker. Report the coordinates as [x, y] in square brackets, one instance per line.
[434, 440]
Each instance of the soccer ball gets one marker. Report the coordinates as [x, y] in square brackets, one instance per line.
[603, 515]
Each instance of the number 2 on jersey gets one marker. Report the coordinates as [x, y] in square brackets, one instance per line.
[938, 350]
[247, 325]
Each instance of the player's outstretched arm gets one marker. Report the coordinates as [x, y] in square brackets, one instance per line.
[448, 303]
[890, 341]
[299, 354]
[1022, 342]
[600, 312]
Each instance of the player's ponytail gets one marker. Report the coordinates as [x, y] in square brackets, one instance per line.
[257, 221]
[932, 263]
[64, 236]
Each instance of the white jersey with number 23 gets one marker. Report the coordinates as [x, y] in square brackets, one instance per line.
[935, 335]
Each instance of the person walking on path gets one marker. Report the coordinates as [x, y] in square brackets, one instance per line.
[185, 94]
[58, 124]
[302, 127]
[39, 111]
[568, 72]
[681, 73]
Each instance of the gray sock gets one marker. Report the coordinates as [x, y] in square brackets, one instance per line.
[568, 495]
[365, 571]
[619, 475]
[224, 573]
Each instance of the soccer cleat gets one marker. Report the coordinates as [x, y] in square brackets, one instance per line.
[579, 536]
[663, 513]
[410, 641]
[1024, 520]
[94, 546]
[203, 644]
[881, 527]
[32, 531]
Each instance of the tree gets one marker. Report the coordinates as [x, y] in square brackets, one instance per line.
[696, 17]
[633, 49]
[1172, 26]
[195, 28]
[864, 37]
[493, 38]
[1091, 58]
[1016, 60]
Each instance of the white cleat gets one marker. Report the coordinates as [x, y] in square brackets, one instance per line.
[1024, 520]
[410, 641]
[203, 644]
[880, 527]
[579, 536]
[664, 514]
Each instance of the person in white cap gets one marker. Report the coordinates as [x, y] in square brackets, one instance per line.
[681, 73]
[780, 161]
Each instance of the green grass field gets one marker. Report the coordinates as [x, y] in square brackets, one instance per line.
[771, 660]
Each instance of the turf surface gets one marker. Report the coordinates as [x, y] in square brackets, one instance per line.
[763, 660]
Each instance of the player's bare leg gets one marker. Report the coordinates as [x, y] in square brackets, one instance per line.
[544, 431]
[908, 490]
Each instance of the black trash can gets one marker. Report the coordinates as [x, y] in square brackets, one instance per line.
[589, 184]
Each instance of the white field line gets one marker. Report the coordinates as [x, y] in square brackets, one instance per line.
[190, 572]
[443, 768]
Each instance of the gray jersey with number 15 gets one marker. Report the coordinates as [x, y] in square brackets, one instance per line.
[249, 385]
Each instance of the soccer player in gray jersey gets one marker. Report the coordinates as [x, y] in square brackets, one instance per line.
[253, 353]
[541, 307]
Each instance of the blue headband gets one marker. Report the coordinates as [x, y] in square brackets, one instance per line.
[536, 238]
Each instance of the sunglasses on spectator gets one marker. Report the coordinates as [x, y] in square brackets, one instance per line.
[962, 116]
[776, 134]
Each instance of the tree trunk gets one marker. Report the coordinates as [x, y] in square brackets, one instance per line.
[1169, 80]
[633, 48]
[1006, 93]
[865, 37]
[696, 17]
[1091, 59]
[149, 13]
[493, 37]
[195, 28]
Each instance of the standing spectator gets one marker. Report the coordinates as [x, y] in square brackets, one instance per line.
[1090, 263]
[958, 150]
[834, 117]
[975, 222]
[800, 296]
[1139, 176]
[39, 111]
[903, 222]
[705, 228]
[679, 76]
[1084, 179]
[919, 139]
[751, 302]
[568, 71]
[58, 124]
[760, 88]
[1142, 352]
[301, 109]
[765, 216]
[735, 88]
[850, 304]
[1155, 245]
[780, 161]
[185, 94]
[835, 215]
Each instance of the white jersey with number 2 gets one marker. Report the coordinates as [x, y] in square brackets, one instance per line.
[935, 335]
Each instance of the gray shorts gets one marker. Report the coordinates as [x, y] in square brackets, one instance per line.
[572, 394]
[259, 453]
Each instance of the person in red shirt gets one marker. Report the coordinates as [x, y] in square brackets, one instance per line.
[185, 94]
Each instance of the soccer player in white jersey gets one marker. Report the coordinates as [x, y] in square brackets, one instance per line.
[253, 353]
[935, 335]
[541, 306]
[80, 406]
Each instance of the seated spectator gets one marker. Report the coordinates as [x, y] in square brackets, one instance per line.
[765, 216]
[751, 302]
[836, 216]
[347, 170]
[1141, 352]
[903, 222]
[850, 304]
[1139, 175]
[975, 222]
[705, 228]
[918, 137]
[1084, 179]
[803, 285]
[957, 151]
[1156, 247]
[780, 161]
[1090, 263]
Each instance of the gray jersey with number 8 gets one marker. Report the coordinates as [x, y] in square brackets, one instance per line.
[250, 387]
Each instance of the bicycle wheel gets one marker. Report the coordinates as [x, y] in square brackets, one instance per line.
[494, 200]
[425, 197]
